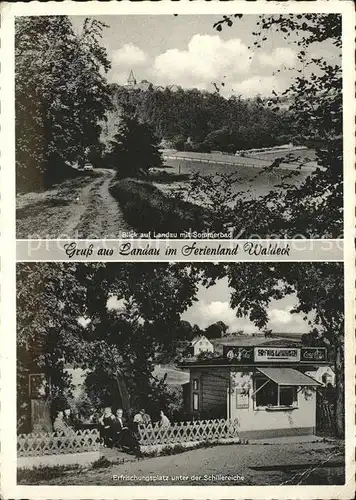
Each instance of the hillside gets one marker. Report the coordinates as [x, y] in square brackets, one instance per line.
[189, 119]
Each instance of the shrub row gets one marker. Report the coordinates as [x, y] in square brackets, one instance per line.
[146, 208]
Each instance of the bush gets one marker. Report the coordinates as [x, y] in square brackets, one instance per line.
[203, 147]
[179, 143]
[101, 463]
[146, 208]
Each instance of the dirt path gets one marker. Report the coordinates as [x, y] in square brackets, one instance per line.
[76, 208]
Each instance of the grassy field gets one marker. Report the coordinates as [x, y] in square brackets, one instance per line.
[174, 376]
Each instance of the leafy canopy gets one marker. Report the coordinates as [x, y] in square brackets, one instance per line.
[61, 94]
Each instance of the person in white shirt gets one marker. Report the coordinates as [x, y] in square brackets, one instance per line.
[120, 428]
[121, 422]
[164, 422]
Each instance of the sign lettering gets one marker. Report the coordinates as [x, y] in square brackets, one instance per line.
[277, 354]
[240, 354]
[313, 354]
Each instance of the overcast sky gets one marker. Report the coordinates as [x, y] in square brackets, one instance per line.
[188, 51]
[214, 305]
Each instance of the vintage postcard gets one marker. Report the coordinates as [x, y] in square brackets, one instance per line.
[178, 200]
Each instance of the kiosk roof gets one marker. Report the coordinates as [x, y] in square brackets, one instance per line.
[288, 376]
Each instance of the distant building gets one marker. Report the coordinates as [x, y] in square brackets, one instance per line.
[131, 81]
[133, 84]
[201, 344]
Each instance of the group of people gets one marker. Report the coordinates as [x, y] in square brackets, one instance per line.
[115, 430]
[120, 432]
[65, 422]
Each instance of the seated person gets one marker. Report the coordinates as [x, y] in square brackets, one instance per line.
[59, 425]
[164, 422]
[119, 427]
[106, 427]
[142, 418]
[70, 419]
[124, 436]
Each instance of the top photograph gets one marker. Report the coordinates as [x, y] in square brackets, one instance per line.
[179, 126]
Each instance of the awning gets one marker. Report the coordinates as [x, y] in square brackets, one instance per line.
[288, 376]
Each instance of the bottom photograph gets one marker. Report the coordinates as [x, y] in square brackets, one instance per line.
[180, 374]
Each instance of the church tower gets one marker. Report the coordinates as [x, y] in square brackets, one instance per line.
[131, 81]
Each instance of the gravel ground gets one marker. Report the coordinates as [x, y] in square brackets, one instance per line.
[251, 464]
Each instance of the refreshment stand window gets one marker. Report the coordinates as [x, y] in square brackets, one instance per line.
[277, 388]
[269, 394]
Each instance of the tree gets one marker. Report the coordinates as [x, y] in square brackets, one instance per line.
[114, 344]
[49, 301]
[61, 95]
[202, 116]
[216, 330]
[134, 148]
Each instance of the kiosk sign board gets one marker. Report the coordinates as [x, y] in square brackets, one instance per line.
[277, 354]
[262, 354]
[238, 354]
[313, 354]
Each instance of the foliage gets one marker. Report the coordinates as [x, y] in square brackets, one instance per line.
[194, 120]
[114, 344]
[44, 473]
[61, 94]
[147, 208]
[217, 195]
[134, 148]
[216, 330]
[237, 333]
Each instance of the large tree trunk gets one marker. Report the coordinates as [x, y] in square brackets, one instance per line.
[125, 397]
[340, 390]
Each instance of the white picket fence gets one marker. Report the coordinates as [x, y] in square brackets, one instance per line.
[31, 445]
[182, 432]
